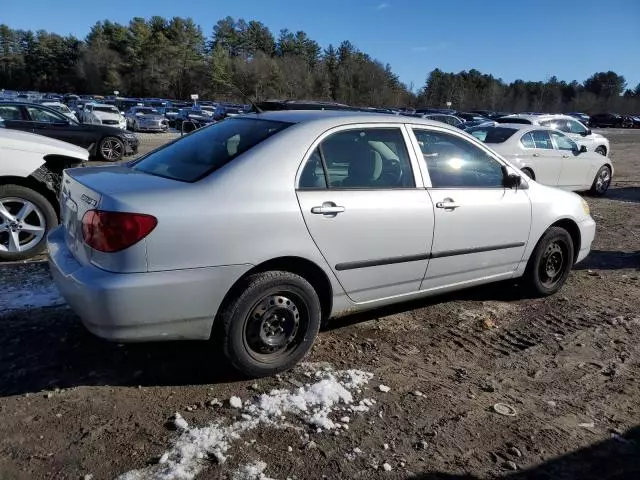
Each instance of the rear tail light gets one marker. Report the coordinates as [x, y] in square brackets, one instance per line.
[114, 231]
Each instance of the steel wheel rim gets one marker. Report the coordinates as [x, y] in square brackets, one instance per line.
[553, 264]
[603, 181]
[274, 326]
[111, 149]
[22, 225]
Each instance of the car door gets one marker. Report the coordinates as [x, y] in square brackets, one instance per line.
[574, 171]
[365, 209]
[15, 118]
[55, 125]
[545, 159]
[481, 228]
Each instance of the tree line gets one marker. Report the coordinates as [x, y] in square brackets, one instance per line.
[173, 58]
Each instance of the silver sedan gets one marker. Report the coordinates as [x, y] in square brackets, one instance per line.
[254, 230]
[146, 119]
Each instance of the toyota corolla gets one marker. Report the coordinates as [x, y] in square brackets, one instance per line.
[254, 230]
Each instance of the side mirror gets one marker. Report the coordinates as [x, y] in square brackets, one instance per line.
[586, 133]
[510, 180]
[187, 127]
[583, 149]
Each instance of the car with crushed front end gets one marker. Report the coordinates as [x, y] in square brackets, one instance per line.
[254, 230]
[30, 173]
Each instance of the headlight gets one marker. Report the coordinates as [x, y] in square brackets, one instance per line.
[585, 207]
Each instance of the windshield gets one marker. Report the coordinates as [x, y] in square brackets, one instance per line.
[492, 134]
[105, 108]
[146, 111]
[198, 154]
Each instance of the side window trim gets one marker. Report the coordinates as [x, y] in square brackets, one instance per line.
[413, 160]
[423, 166]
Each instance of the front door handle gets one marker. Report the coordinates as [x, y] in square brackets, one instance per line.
[328, 208]
[448, 204]
[536, 154]
[565, 156]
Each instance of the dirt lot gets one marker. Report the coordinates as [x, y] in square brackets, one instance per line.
[567, 366]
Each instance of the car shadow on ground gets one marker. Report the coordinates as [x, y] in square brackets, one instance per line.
[49, 348]
[614, 459]
[610, 260]
[507, 291]
[624, 194]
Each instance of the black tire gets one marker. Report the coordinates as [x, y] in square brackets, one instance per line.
[45, 209]
[117, 151]
[601, 150]
[601, 182]
[529, 173]
[544, 275]
[247, 323]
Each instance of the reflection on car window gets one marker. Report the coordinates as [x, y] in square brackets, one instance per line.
[10, 112]
[363, 158]
[39, 115]
[576, 127]
[198, 154]
[542, 139]
[453, 162]
[527, 141]
[563, 142]
[492, 134]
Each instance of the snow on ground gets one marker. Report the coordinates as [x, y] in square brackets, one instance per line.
[329, 393]
[35, 289]
[251, 471]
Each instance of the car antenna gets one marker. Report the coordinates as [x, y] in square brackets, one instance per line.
[244, 96]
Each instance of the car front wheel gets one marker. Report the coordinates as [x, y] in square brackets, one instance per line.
[601, 182]
[25, 218]
[550, 262]
[111, 149]
[272, 323]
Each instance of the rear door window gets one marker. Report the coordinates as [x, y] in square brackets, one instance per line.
[527, 141]
[10, 112]
[542, 139]
[200, 153]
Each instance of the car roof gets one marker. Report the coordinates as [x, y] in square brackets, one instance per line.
[340, 117]
[540, 118]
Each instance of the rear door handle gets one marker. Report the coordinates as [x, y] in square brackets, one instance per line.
[448, 204]
[327, 208]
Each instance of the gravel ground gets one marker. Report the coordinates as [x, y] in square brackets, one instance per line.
[567, 367]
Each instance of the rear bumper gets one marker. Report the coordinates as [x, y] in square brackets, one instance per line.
[587, 234]
[137, 307]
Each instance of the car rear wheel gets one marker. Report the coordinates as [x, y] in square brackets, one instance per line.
[25, 218]
[111, 149]
[271, 325]
[529, 173]
[601, 150]
[602, 181]
[550, 263]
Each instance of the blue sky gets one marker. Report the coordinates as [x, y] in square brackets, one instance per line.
[511, 39]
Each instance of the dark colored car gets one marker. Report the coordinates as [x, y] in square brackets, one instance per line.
[108, 143]
[582, 117]
[193, 115]
[470, 116]
[606, 120]
[631, 121]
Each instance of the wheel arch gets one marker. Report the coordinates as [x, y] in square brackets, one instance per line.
[307, 269]
[574, 232]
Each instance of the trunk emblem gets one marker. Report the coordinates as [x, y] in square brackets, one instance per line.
[89, 200]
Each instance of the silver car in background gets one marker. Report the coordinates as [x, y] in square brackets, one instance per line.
[146, 119]
[254, 230]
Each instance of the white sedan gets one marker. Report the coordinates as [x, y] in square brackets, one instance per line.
[548, 156]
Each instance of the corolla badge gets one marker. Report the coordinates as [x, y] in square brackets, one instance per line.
[87, 199]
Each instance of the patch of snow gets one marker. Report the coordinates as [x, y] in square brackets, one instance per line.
[313, 404]
[383, 388]
[32, 289]
[251, 471]
[386, 467]
[179, 422]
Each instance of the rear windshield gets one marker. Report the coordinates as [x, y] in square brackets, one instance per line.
[491, 134]
[523, 121]
[198, 154]
[106, 109]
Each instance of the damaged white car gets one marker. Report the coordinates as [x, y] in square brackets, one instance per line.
[30, 174]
